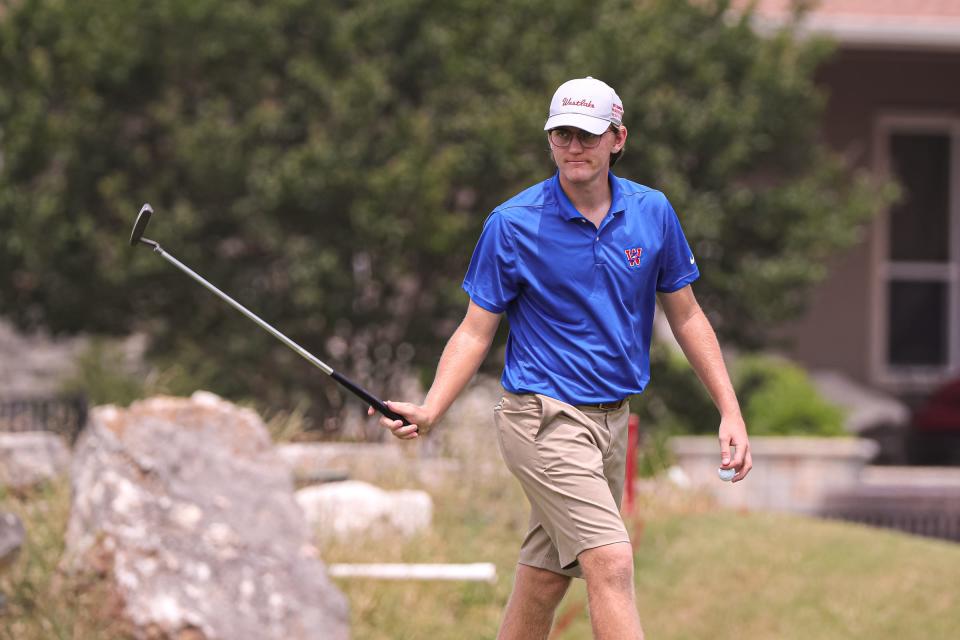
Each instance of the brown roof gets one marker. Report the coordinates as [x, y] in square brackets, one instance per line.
[912, 24]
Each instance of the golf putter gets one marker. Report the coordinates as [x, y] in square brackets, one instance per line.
[136, 237]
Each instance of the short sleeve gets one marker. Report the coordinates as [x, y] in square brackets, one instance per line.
[677, 265]
[491, 280]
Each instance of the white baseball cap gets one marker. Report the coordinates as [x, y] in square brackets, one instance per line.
[585, 103]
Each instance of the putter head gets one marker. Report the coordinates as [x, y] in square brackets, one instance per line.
[143, 219]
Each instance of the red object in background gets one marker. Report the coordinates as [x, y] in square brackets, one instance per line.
[941, 412]
[633, 441]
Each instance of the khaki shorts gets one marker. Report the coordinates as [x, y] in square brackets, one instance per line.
[570, 462]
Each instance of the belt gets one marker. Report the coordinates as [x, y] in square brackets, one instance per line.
[603, 406]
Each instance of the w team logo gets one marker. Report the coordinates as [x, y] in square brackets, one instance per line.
[633, 256]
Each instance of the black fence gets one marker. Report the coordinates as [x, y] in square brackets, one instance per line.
[925, 511]
[64, 415]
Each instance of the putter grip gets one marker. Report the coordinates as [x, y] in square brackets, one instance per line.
[368, 397]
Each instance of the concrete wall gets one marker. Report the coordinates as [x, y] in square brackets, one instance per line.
[793, 474]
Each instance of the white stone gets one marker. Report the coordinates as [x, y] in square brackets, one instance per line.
[206, 399]
[186, 515]
[31, 457]
[126, 496]
[35, 364]
[348, 508]
[200, 571]
[166, 609]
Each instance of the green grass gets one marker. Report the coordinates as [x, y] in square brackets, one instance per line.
[784, 577]
[700, 574]
[475, 522]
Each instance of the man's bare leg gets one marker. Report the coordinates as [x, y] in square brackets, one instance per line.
[608, 571]
[529, 612]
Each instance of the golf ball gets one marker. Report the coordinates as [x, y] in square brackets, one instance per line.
[726, 474]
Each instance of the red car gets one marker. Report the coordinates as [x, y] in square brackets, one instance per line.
[935, 428]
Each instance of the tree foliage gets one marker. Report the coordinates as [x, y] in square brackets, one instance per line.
[330, 164]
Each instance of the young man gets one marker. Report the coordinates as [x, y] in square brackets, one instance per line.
[576, 263]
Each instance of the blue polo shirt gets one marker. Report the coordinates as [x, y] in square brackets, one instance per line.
[580, 300]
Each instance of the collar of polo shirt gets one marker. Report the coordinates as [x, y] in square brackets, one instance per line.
[566, 209]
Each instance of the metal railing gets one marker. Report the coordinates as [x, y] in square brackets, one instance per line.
[65, 415]
[925, 511]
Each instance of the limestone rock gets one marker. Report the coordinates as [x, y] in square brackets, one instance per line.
[344, 509]
[11, 539]
[31, 457]
[34, 364]
[184, 503]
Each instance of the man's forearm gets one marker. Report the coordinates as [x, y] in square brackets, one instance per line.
[460, 360]
[699, 343]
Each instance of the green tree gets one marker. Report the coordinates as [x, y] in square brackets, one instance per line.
[330, 164]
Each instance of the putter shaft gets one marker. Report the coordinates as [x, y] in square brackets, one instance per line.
[136, 237]
[309, 357]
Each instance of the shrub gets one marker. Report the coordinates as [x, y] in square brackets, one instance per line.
[776, 396]
[103, 375]
[779, 399]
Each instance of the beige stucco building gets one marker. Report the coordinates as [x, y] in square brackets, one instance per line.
[888, 315]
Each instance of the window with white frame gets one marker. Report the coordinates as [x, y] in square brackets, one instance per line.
[919, 276]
